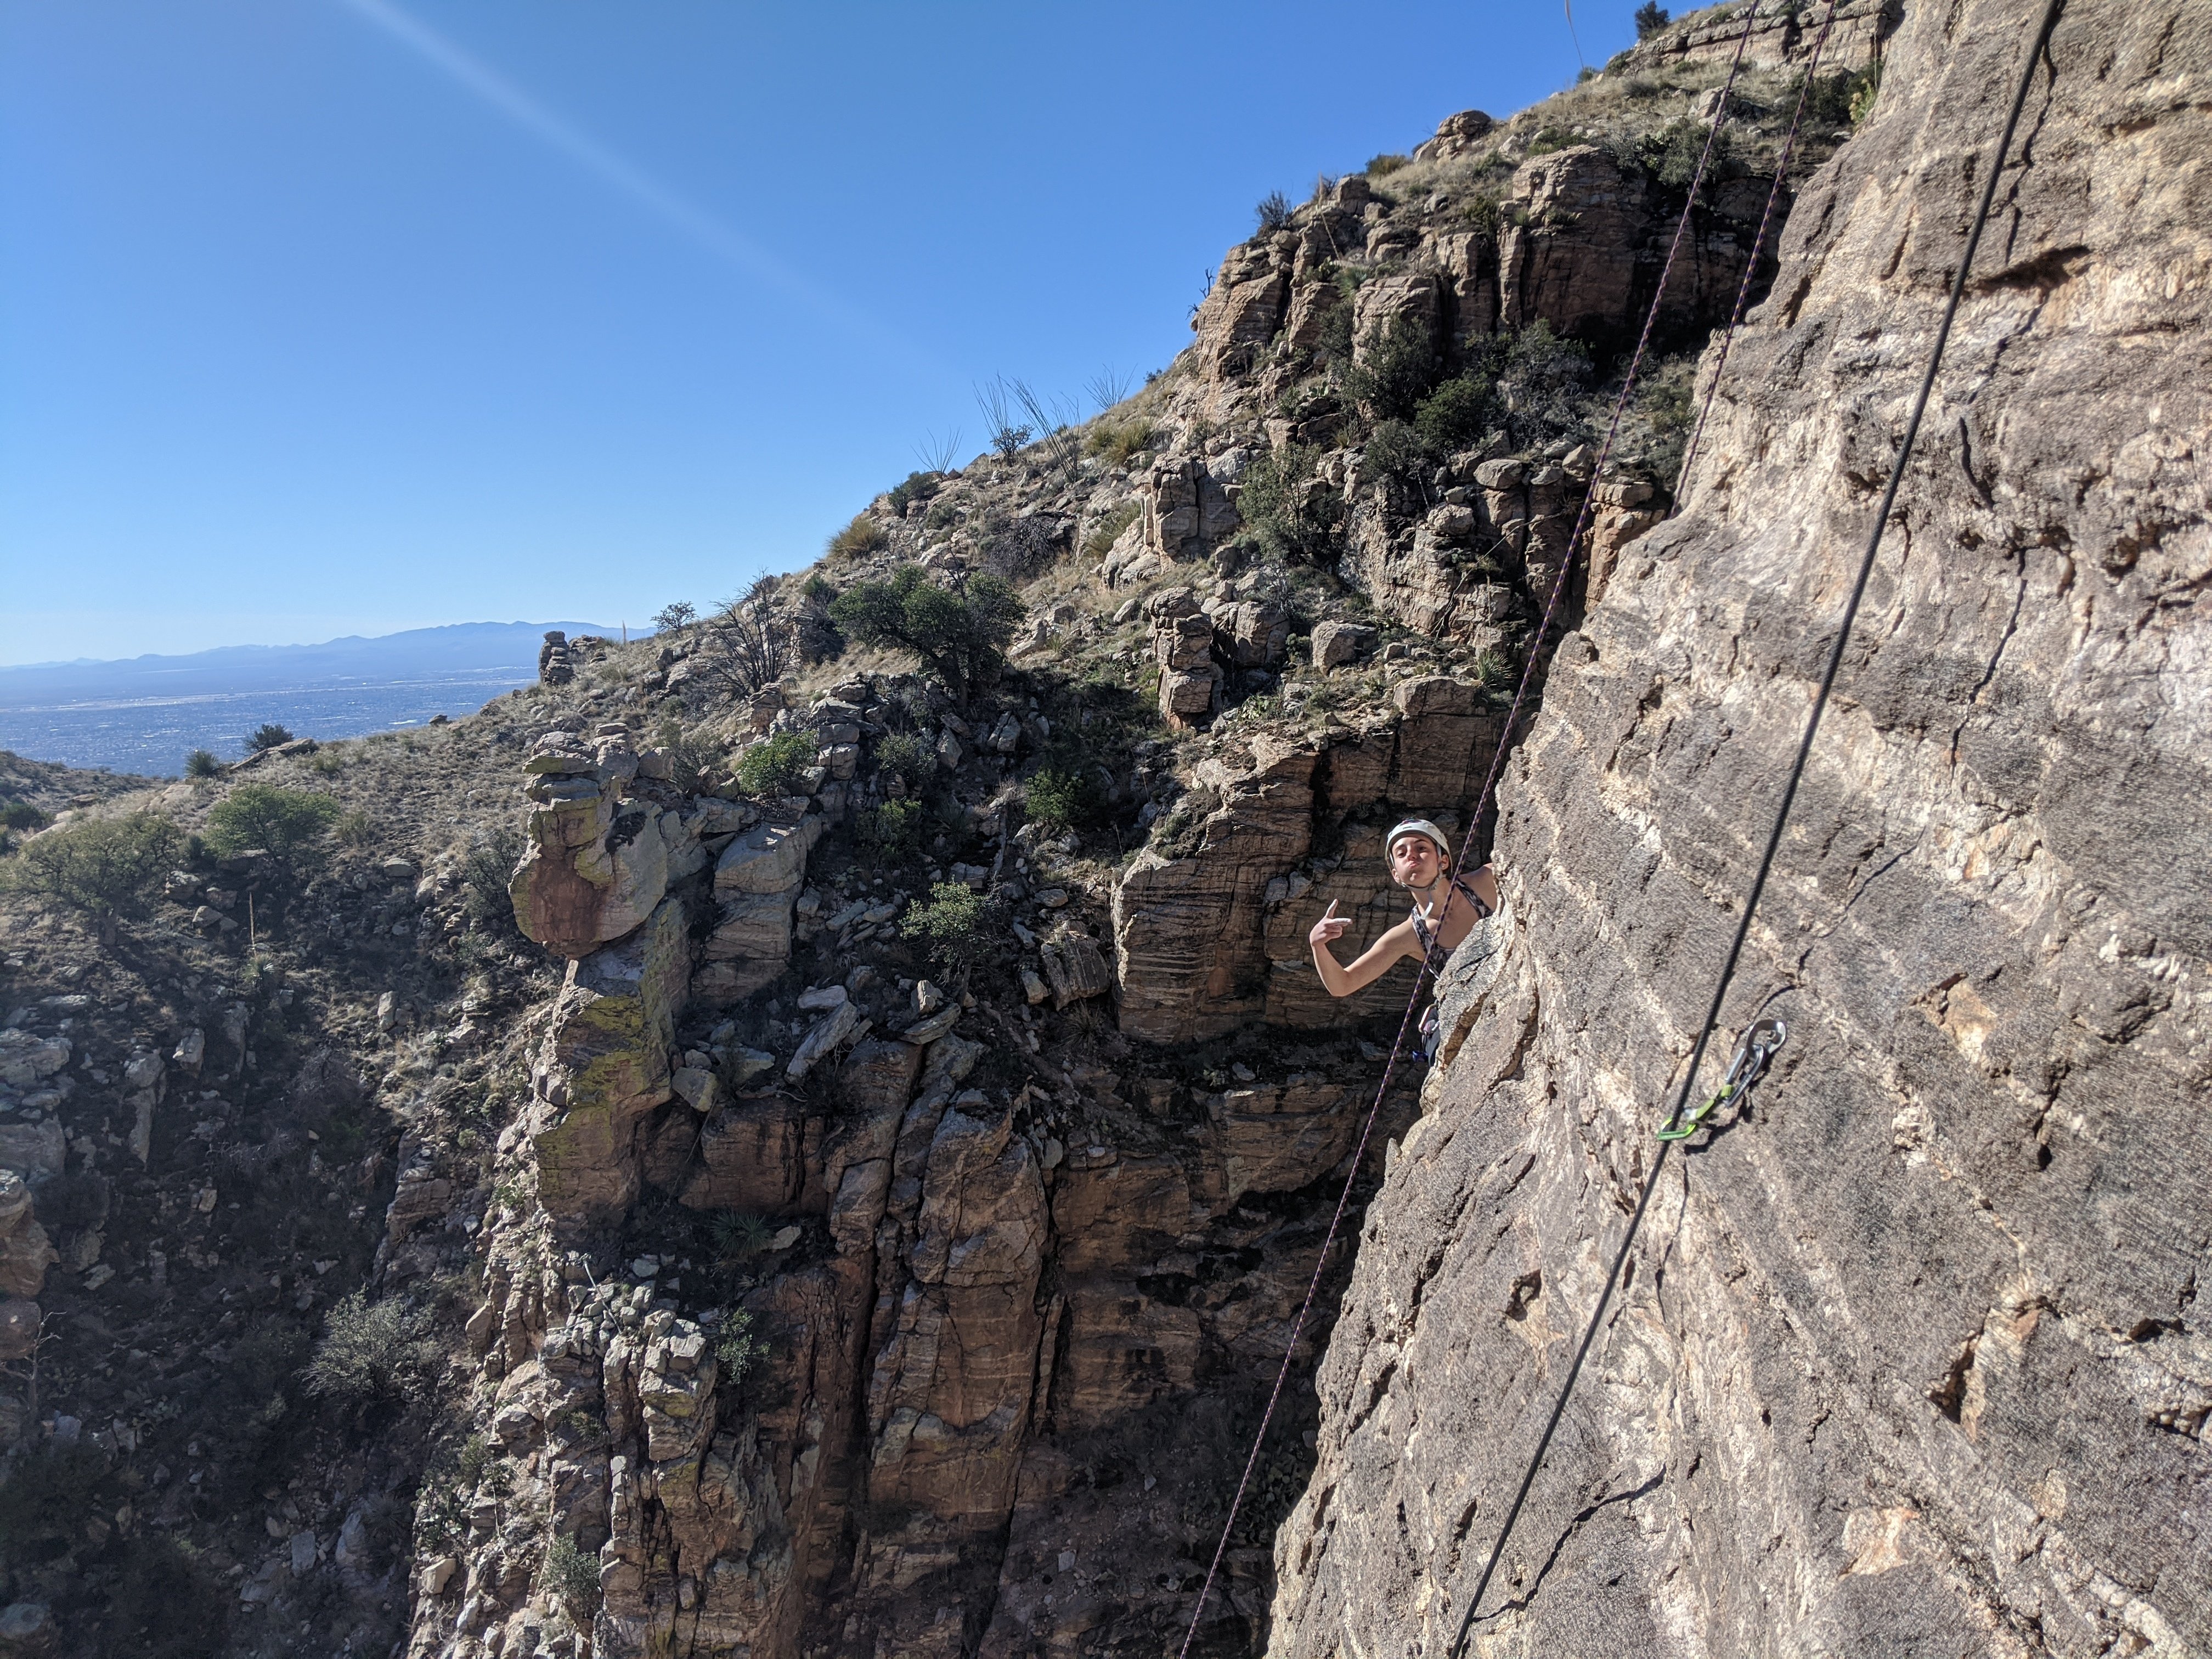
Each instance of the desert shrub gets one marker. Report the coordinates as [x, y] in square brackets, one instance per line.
[1553, 137]
[957, 928]
[1109, 531]
[1866, 87]
[1671, 154]
[202, 763]
[739, 1236]
[291, 823]
[1398, 371]
[1537, 376]
[1116, 444]
[863, 535]
[1666, 399]
[1065, 799]
[776, 765]
[1650, 18]
[50, 1492]
[693, 757]
[671, 617]
[906, 756]
[488, 864]
[1454, 414]
[737, 1349]
[268, 735]
[1273, 211]
[21, 815]
[915, 487]
[169, 1604]
[1016, 545]
[895, 828]
[105, 867]
[372, 1354]
[746, 645]
[354, 829]
[1283, 507]
[1382, 166]
[959, 633]
[1494, 669]
[570, 1576]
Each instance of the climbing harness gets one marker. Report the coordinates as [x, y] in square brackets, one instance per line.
[1431, 1032]
[1744, 1071]
[1429, 963]
[1905, 445]
[1758, 247]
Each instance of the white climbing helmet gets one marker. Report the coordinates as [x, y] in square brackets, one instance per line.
[1418, 827]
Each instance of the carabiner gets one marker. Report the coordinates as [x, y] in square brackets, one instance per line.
[1751, 1053]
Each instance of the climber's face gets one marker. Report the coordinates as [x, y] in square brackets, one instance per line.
[1413, 861]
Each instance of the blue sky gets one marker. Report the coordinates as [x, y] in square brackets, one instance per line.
[326, 316]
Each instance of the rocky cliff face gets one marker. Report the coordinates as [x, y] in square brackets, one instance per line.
[1911, 1358]
[753, 1277]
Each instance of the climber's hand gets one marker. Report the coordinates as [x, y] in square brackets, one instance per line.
[1328, 929]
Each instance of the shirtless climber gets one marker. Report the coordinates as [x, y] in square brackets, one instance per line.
[1443, 913]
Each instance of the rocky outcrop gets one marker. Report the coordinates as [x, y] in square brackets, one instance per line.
[1213, 939]
[1918, 1337]
[603, 1064]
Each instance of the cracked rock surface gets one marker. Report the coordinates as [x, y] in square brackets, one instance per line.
[1909, 1359]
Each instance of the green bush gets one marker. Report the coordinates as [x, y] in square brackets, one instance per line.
[170, 1603]
[1117, 444]
[1101, 540]
[21, 815]
[1382, 166]
[895, 828]
[372, 1354]
[1398, 371]
[268, 737]
[863, 535]
[776, 765]
[915, 487]
[1273, 212]
[354, 829]
[959, 633]
[487, 866]
[1283, 509]
[958, 928]
[571, 1577]
[291, 823]
[51, 1490]
[906, 756]
[1866, 87]
[1068, 799]
[107, 867]
[739, 1236]
[1650, 18]
[202, 763]
[1455, 414]
[736, 1349]
[1671, 155]
[672, 617]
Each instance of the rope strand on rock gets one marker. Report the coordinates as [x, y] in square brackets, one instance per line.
[1758, 247]
[1429, 963]
[1782, 811]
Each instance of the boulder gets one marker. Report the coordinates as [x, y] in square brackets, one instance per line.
[1337, 643]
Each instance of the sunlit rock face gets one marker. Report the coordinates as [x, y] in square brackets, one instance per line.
[1918, 1337]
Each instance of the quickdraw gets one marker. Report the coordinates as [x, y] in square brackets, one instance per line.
[1752, 1055]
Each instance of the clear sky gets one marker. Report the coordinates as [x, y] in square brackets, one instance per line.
[325, 317]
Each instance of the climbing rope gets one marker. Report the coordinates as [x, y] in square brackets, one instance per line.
[1782, 811]
[1429, 961]
[1758, 247]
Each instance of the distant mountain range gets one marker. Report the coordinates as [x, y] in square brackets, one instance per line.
[418, 652]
